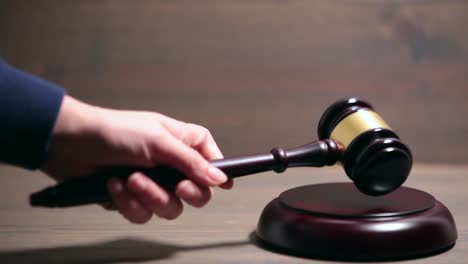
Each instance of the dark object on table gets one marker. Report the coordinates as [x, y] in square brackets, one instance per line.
[335, 221]
[350, 132]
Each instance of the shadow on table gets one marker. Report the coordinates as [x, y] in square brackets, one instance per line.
[122, 250]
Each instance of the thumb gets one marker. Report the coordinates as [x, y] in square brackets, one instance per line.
[175, 153]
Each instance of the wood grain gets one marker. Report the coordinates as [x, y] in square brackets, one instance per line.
[221, 232]
[242, 67]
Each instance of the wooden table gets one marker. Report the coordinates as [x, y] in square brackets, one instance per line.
[221, 232]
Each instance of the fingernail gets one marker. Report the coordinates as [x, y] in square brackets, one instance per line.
[216, 175]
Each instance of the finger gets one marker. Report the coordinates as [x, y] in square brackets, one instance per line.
[195, 136]
[227, 185]
[175, 153]
[201, 139]
[126, 203]
[154, 198]
[193, 194]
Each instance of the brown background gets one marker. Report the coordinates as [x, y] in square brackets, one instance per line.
[257, 73]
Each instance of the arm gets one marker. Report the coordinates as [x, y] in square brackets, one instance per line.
[28, 110]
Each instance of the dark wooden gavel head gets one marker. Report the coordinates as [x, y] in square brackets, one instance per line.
[373, 156]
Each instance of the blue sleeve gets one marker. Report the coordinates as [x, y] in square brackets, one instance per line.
[28, 109]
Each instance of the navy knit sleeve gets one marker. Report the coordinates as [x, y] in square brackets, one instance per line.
[28, 109]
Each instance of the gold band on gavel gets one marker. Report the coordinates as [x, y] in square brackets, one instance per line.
[355, 124]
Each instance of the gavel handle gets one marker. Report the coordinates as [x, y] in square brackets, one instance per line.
[93, 189]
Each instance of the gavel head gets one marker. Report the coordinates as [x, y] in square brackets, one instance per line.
[373, 156]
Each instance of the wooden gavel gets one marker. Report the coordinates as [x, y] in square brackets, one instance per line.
[350, 131]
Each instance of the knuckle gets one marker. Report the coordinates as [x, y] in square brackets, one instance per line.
[158, 135]
[202, 132]
[184, 131]
[155, 202]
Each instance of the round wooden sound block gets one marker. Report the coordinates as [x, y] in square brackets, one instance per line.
[336, 221]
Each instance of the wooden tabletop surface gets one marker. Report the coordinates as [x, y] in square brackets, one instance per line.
[221, 232]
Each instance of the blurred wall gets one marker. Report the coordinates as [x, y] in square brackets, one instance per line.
[257, 73]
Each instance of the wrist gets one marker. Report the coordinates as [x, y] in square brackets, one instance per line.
[76, 130]
[75, 118]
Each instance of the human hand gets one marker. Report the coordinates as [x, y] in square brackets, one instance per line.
[87, 139]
